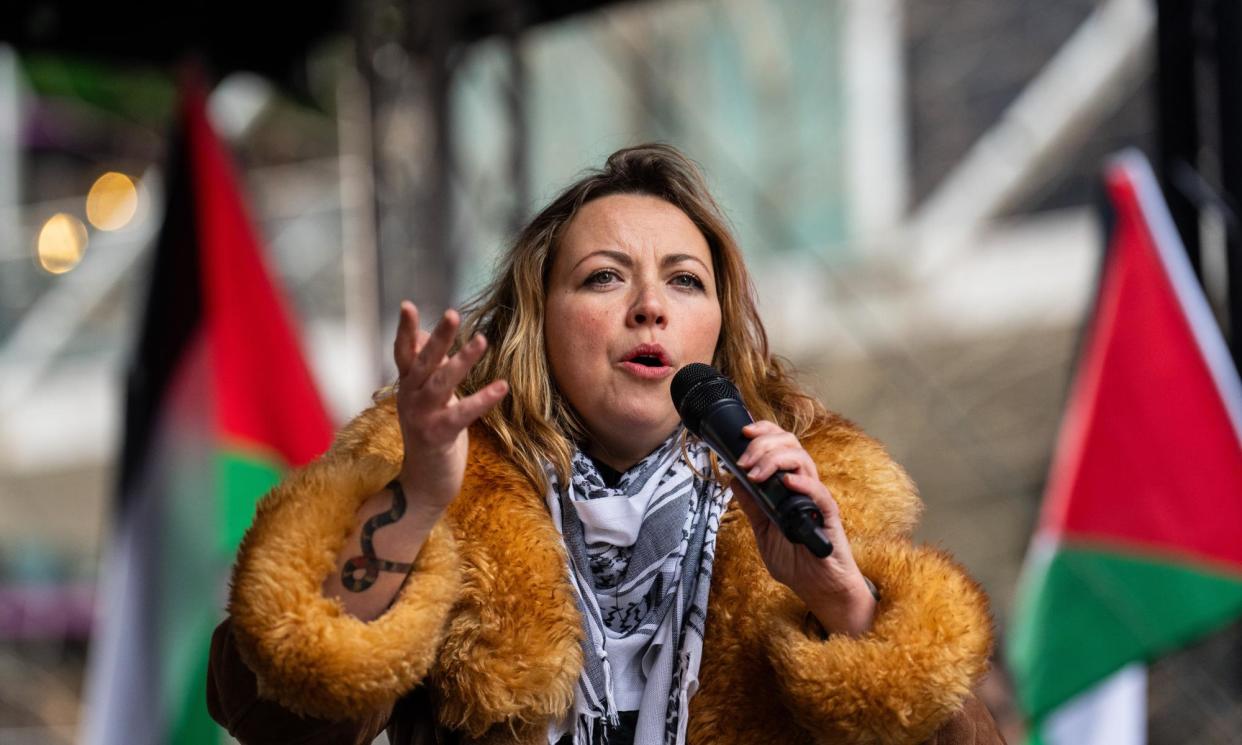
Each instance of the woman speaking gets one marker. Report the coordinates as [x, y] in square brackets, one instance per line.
[521, 543]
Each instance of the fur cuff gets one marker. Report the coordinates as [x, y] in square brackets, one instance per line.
[309, 655]
[896, 684]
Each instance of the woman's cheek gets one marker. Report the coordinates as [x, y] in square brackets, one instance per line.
[591, 326]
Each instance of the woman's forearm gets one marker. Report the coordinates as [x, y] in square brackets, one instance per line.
[392, 526]
[372, 565]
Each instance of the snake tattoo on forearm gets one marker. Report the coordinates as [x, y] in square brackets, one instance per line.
[360, 573]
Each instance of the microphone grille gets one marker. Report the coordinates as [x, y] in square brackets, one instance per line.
[697, 386]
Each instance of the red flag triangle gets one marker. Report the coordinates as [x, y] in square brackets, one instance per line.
[1151, 452]
[278, 408]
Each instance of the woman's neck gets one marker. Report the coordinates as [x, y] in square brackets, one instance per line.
[621, 456]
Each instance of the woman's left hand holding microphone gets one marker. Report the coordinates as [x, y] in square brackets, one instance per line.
[833, 588]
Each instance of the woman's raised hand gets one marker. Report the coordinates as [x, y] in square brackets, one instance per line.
[392, 525]
[433, 420]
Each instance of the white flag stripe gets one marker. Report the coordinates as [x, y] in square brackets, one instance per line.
[1114, 712]
[122, 702]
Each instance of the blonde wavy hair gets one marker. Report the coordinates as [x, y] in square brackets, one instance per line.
[534, 422]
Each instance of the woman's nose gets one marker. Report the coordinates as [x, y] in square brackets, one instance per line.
[648, 309]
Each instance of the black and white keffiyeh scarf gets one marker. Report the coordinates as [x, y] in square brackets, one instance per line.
[640, 556]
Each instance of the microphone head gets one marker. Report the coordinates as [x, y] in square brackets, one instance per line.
[695, 388]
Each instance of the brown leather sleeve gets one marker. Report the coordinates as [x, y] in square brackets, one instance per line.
[972, 725]
[233, 701]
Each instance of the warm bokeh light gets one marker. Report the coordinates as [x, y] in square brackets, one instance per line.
[62, 242]
[112, 201]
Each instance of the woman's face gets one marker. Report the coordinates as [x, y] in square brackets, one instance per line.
[631, 298]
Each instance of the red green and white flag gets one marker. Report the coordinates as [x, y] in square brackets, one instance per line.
[219, 403]
[1139, 545]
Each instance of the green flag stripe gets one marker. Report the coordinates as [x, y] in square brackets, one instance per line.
[1089, 612]
[244, 477]
[189, 564]
[239, 480]
[191, 723]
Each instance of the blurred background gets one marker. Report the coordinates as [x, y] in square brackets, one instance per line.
[914, 182]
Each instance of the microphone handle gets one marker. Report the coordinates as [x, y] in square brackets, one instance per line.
[796, 514]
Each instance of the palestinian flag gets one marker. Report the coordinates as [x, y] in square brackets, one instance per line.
[219, 403]
[1139, 546]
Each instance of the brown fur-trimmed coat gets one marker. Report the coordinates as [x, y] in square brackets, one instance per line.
[487, 622]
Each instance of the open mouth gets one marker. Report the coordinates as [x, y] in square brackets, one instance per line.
[648, 361]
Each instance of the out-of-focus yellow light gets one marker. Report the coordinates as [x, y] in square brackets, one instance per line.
[112, 201]
[62, 242]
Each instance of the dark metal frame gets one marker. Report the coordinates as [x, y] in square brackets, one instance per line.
[1199, 161]
[415, 209]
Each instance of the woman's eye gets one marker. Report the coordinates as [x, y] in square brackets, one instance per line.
[688, 280]
[602, 277]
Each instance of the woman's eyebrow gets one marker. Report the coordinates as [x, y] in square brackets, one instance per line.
[618, 256]
[672, 259]
[627, 261]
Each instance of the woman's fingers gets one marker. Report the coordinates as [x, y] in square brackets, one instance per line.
[772, 449]
[761, 427]
[796, 482]
[819, 494]
[439, 387]
[431, 355]
[765, 437]
[775, 451]
[405, 346]
[440, 426]
[464, 413]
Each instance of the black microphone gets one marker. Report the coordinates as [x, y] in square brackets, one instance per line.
[711, 408]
